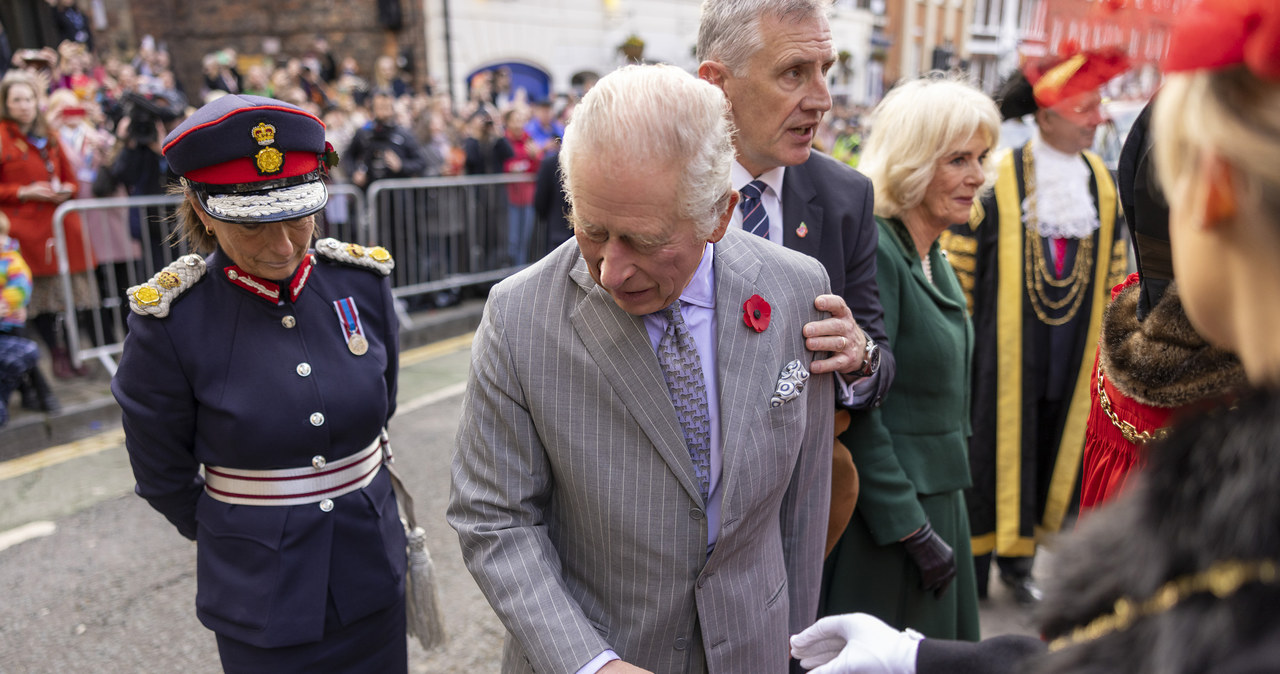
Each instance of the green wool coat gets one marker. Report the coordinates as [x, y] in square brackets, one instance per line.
[911, 454]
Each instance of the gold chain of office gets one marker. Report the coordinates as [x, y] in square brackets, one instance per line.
[1222, 579]
[1036, 269]
[1128, 430]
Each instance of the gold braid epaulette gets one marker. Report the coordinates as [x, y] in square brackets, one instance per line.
[376, 258]
[156, 296]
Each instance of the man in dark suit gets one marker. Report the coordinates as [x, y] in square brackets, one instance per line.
[771, 62]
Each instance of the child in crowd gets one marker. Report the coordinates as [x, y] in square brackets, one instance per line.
[18, 354]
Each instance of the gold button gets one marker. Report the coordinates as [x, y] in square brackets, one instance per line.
[288, 321]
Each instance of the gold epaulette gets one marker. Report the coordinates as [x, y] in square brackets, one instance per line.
[376, 258]
[156, 296]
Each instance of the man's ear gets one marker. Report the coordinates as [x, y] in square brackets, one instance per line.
[713, 72]
[725, 218]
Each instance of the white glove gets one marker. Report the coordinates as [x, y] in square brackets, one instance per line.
[856, 642]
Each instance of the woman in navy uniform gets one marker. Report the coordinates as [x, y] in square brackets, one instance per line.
[272, 365]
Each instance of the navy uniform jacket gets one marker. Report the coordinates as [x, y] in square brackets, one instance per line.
[232, 379]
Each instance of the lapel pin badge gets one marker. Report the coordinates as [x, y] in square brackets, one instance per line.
[802, 231]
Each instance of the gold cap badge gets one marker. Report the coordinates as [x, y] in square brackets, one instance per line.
[264, 133]
[269, 160]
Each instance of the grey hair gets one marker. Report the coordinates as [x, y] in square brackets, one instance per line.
[645, 117]
[729, 30]
[917, 123]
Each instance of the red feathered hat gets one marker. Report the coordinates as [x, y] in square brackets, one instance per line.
[1213, 34]
[1055, 79]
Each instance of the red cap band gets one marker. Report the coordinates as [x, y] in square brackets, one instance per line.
[245, 170]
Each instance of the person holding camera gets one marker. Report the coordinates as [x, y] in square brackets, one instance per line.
[382, 148]
[138, 165]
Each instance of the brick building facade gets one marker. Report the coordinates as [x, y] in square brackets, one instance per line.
[279, 29]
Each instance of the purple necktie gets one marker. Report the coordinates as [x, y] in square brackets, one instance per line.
[754, 218]
[682, 369]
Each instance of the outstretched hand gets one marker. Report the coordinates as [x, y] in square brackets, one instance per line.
[855, 642]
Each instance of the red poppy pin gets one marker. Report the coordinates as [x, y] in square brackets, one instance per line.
[755, 313]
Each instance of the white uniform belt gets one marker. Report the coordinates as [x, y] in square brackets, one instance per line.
[294, 486]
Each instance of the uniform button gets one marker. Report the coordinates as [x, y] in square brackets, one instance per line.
[696, 513]
[318, 462]
[681, 643]
[317, 419]
[288, 321]
[304, 369]
[232, 275]
[326, 505]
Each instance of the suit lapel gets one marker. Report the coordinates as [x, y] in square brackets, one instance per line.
[740, 354]
[619, 345]
[799, 207]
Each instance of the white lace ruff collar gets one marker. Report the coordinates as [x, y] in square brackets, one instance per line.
[1064, 207]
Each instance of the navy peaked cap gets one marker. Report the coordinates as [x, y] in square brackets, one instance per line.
[252, 159]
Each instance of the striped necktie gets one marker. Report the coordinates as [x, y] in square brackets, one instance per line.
[682, 368]
[754, 218]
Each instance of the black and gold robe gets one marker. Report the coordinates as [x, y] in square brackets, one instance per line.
[1030, 378]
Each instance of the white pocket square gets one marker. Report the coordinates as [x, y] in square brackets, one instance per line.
[790, 383]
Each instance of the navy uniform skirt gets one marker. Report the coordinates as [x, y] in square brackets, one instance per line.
[374, 644]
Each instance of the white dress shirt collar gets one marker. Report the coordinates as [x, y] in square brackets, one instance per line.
[772, 197]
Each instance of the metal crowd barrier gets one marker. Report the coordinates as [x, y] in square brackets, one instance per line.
[446, 234]
[449, 233]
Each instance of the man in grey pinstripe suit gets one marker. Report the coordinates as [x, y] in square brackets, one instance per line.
[574, 494]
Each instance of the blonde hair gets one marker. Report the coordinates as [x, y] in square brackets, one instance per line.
[1233, 114]
[917, 123]
[190, 228]
[641, 117]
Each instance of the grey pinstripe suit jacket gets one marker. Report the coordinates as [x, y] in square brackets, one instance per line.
[574, 497]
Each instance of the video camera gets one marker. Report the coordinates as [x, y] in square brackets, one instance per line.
[145, 109]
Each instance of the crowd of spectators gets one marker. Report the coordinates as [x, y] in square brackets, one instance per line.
[109, 113]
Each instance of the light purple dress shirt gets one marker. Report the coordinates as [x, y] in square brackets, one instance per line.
[698, 307]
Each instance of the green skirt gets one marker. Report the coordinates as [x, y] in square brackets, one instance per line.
[861, 576]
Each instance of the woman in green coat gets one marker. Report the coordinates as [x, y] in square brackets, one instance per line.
[905, 555]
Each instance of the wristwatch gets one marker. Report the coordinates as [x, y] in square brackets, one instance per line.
[870, 359]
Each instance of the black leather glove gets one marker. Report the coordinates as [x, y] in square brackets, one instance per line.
[934, 557]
